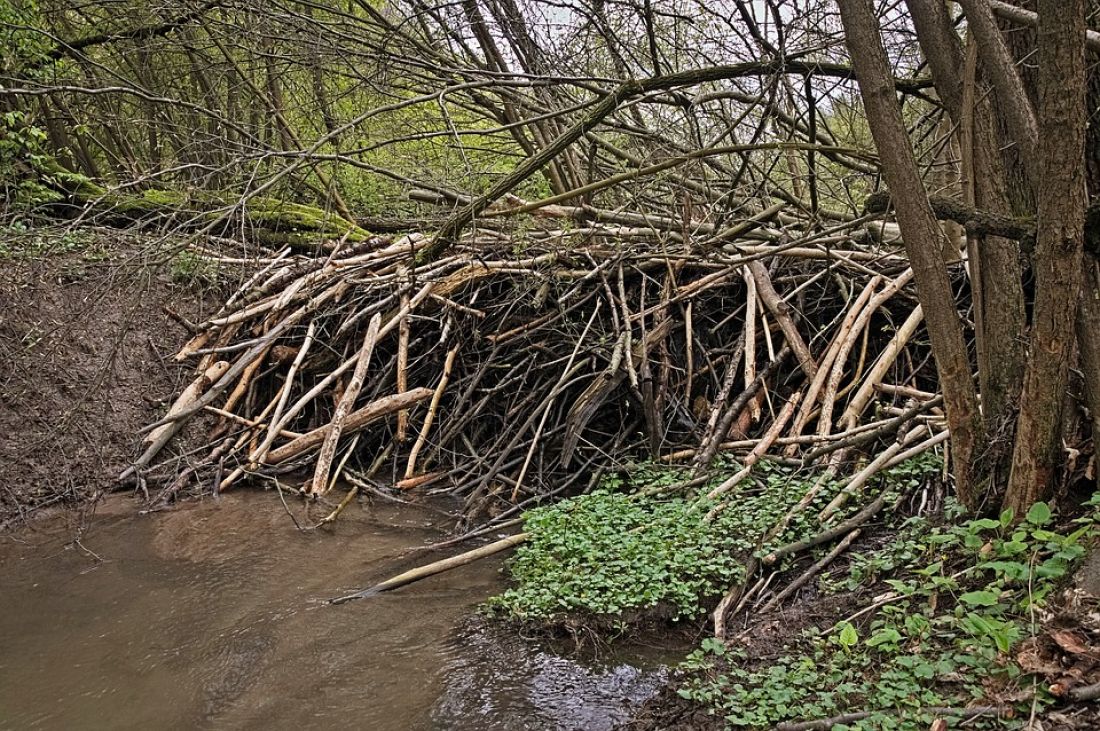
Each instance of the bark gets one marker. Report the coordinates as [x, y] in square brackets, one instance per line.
[1000, 316]
[1058, 259]
[1089, 346]
[922, 236]
[1001, 67]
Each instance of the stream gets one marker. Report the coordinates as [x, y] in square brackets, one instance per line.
[213, 615]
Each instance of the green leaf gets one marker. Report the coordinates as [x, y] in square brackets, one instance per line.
[886, 635]
[980, 598]
[1039, 514]
[848, 637]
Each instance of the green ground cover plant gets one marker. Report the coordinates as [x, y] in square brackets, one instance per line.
[959, 598]
[627, 546]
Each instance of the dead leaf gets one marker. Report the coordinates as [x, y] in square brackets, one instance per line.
[1070, 642]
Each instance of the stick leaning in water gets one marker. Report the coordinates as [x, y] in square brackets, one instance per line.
[437, 567]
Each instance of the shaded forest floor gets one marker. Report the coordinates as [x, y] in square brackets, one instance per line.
[774, 663]
[86, 341]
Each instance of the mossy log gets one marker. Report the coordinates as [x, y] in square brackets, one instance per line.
[267, 220]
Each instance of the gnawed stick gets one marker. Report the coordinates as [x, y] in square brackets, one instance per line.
[355, 421]
[758, 451]
[732, 597]
[859, 328]
[448, 364]
[403, 366]
[781, 311]
[859, 436]
[751, 303]
[319, 485]
[273, 430]
[436, 567]
[188, 397]
[706, 456]
[885, 360]
[160, 436]
[916, 449]
[260, 347]
[876, 465]
[825, 367]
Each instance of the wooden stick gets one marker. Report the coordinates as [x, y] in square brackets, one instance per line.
[436, 567]
[410, 469]
[354, 422]
[825, 368]
[877, 464]
[824, 537]
[885, 360]
[403, 366]
[319, 486]
[781, 311]
[172, 422]
[274, 429]
[750, 335]
[761, 448]
[809, 573]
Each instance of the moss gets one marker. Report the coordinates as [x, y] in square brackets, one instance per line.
[273, 221]
[299, 218]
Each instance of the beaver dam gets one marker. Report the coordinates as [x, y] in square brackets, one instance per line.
[450, 349]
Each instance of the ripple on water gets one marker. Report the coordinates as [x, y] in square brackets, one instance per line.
[496, 681]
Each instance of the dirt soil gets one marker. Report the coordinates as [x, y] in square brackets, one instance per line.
[85, 357]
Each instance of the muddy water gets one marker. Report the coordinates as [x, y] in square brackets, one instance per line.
[213, 616]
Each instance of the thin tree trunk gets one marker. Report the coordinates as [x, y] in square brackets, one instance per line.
[922, 236]
[999, 64]
[1058, 256]
[1000, 318]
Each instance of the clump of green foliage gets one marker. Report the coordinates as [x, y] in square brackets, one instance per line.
[20, 241]
[961, 597]
[606, 552]
[29, 177]
[613, 551]
[187, 267]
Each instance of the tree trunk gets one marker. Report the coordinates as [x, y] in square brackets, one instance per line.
[922, 236]
[1000, 317]
[1058, 256]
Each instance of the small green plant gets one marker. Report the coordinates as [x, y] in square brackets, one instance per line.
[960, 598]
[612, 551]
[190, 268]
[20, 241]
[605, 553]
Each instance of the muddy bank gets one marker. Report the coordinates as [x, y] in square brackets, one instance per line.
[213, 615]
[85, 356]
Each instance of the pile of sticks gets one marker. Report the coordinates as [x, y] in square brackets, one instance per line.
[528, 363]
